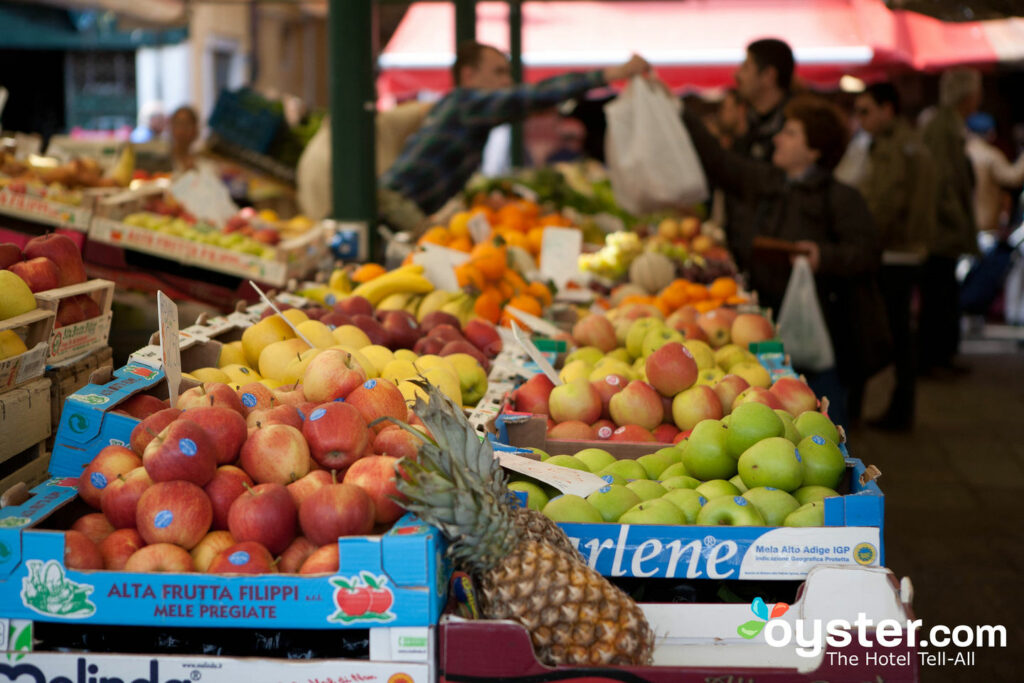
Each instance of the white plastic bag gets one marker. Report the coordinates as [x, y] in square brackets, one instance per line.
[801, 325]
[652, 163]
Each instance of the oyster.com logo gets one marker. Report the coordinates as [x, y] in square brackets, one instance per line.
[752, 628]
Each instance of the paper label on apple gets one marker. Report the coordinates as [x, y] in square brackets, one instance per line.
[163, 519]
[239, 558]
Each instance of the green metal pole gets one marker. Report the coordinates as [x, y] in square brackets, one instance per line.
[465, 20]
[515, 42]
[352, 100]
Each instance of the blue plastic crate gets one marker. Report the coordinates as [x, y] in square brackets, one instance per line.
[246, 119]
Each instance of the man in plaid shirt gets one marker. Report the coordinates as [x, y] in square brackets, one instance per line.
[441, 156]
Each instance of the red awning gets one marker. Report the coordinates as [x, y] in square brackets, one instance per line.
[695, 43]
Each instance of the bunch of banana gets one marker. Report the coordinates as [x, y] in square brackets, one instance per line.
[407, 279]
[461, 307]
[401, 301]
[434, 301]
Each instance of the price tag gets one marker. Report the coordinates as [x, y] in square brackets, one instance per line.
[439, 265]
[204, 195]
[576, 482]
[534, 353]
[479, 228]
[278, 312]
[148, 356]
[525, 192]
[560, 254]
[167, 311]
[536, 324]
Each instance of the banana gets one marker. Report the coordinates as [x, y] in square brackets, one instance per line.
[433, 302]
[395, 302]
[413, 305]
[402, 280]
[339, 280]
[461, 307]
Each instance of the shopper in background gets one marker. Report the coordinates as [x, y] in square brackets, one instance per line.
[152, 123]
[899, 187]
[731, 118]
[795, 198]
[994, 175]
[441, 156]
[955, 231]
[184, 133]
[571, 136]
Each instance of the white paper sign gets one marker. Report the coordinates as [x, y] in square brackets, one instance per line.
[536, 324]
[278, 312]
[566, 480]
[439, 265]
[560, 254]
[170, 352]
[479, 228]
[533, 352]
[204, 195]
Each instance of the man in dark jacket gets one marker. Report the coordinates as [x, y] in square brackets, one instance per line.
[796, 199]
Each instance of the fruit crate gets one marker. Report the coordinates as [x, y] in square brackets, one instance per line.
[28, 468]
[34, 328]
[44, 211]
[70, 342]
[69, 378]
[697, 643]
[24, 418]
[246, 119]
[401, 573]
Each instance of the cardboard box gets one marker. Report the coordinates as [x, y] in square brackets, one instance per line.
[45, 211]
[69, 378]
[404, 567]
[34, 328]
[697, 643]
[24, 417]
[29, 467]
[71, 342]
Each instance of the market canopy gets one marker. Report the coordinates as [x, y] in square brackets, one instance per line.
[696, 43]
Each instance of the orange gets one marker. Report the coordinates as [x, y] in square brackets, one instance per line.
[555, 219]
[540, 292]
[526, 304]
[517, 239]
[723, 288]
[697, 292]
[490, 259]
[436, 235]
[458, 226]
[706, 305]
[488, 305]
[469, 275]
[734, 300]
[462, 244]
[534, 239]
[512, 216]
[519, 285]
[367, 272]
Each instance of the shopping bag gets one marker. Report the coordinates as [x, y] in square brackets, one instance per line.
[801, 324]
[652, 163]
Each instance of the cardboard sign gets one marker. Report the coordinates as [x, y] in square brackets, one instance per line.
[560, 254]
[566, 480]
[204, 195]
[439, 265]
[536, 324]
[170, 350]
[534, 353]
[479, 228]
[278, 312]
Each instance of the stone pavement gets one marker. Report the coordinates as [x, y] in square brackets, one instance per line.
[954, 503]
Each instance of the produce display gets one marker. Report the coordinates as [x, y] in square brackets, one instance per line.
[46, 179]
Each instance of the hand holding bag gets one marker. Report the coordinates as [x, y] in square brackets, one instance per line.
[801, 325]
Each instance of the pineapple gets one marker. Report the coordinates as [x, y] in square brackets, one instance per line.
[523, 564]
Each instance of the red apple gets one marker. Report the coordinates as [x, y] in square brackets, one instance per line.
[576, 400]
[119, 546]
[64, 253]
[632, 433]
[376, 475]
[225, 427]
[397, 442]
[595, 330]
[671, 369]
[265, 514]
[283, 414]
[290, 395]
[794, 395]
[160, 557]
[484, 336]
[302, 488]
[40, 274]
[267, 236]
[208, 548]
[176, 512]
[94, 525]
[571, 430]
[184, 451]
[80, 552]
[354, 305]
[228, 483]
[758, 395]
[749, 328]
[332, 374]
[717, 326]
[377, 398]
[141, 406]
[401, 328]
[121, 497]
[463, 346]
[335, 319]
[150, 427]
[276, 453]
[602, 429]
[247, 557]
[334, 511]
[9, 254]
[637, 404]
[324, 560]
[728, 388]
[212, 395]
[534, 394]
[428, 346]
[295, 555]
[104, 468]
[446, 333]
[435, 318]
[608, 386]
[337, 435]
[373, 329]
[699, 402]
[665, 433]
[255, 396]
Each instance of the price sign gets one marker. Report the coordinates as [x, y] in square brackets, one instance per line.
[575, 482]
[439, 265]
[534, 353]
[560, 254]
[276, 310]
[170, 351]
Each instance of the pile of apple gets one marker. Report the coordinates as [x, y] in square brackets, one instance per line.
[658, 385]
[248, 481]
[755, 467]
[48, 262]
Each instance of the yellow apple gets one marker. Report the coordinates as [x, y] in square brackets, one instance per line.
[15, 296]
[271, 383]
[318, 334]
[472, 377]
[241, 374]
[369, 369]
[350, 335]
[210, 375]
[406, 354]
[11, 345]
[424, 363]
[274, 358]
[295, 315]
[398, 370]
[576, 369]
[297, 367]
[378, 355]
[231, 353]
[752, 371]
[263, 334]
[701, 352]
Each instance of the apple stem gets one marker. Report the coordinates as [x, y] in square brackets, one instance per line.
[248, 488]
[334, 476]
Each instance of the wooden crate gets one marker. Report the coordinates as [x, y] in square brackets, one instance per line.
[29, 467]
[24, 417]
[70, 342]
[34, 328]
[68, 379]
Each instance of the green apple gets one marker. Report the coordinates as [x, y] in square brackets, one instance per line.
[657, 337]
[538, 452]
[569, 461]
[731, 354]
[536, 499]
[680, 482]
[791, 432]
[590, 354]
[808, 514]
[656, 511]
[710, 376]
[675, 470]
[596, 459]
[627, 469]
[577, 369]
[808, 494]
[737, 481]
[655, 464]
[614, 479]
[772, 462]
[613, 500]
[811, 422]
[716, 488]
[706, 456]
[570, 508]
[646, 489]
[674, 452]
[750, 423]
[729, 511]
[637, 331]
[687, 500]
[702, 353]
[824, 464]
[773, 504]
